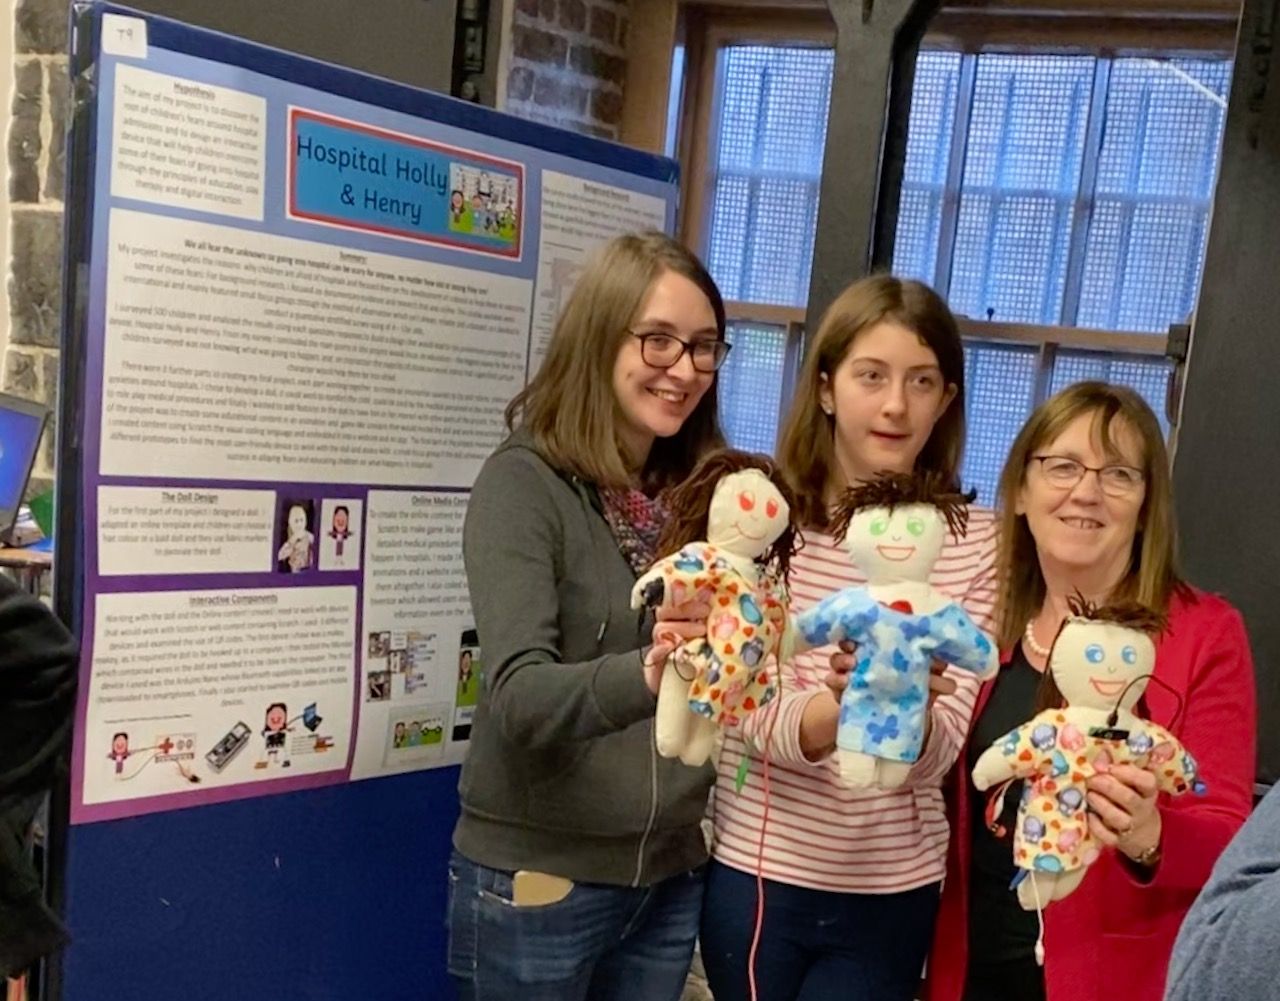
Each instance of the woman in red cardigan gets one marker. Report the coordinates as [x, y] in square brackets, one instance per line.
[1087, 508]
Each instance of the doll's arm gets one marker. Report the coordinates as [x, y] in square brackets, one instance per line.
[1172, 765]
[965, 645]
[1005, 758]
[843, 615]
[675, 579]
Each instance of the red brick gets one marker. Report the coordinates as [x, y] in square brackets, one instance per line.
[547, 10]
[538, 46]
[573, 15]
[604, 25]
[520, 83]
[527, 7]
[590, 61]
[550, 92]
[606, 106]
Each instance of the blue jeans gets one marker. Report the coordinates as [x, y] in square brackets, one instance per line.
[816, 945]
[603, 943]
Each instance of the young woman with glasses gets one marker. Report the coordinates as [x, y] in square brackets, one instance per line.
[1086, 508]
[579, 861]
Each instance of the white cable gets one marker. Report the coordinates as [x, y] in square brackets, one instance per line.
[1035, 889]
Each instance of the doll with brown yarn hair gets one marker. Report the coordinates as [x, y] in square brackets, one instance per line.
[730, 538]
[1098, 668]
[894, 528]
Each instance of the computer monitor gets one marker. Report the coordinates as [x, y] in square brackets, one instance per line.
[21, 425]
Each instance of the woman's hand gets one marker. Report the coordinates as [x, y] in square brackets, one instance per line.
[674, 626]
[1123, 811]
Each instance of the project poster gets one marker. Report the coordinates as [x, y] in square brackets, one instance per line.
[307, 309]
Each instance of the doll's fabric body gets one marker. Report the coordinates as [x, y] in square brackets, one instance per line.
[745, 627]
[298, 552]
[883, 709]
[1058, 754]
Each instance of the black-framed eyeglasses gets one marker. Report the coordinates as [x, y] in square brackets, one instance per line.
[1116, 480]
[663, 350]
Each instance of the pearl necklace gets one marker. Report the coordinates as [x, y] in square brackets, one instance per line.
[1032, 644]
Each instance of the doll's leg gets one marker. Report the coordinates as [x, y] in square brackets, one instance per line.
[891, 774]
[701, 741]
[672, 720]
[856, 770]
[1066, 882]
[1036, 882]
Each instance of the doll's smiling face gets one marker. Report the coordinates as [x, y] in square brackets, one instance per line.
[1094, 664]
[747, 514]
[898, 545]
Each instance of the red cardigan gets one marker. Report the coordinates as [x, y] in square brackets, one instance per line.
[1113, 936]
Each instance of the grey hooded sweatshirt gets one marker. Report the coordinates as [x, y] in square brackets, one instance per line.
[562, 775]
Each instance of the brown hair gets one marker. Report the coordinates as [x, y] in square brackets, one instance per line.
[899, 489]
[807, 451]
[689, 505]
[569, 406]
[1153, 576]
[1128, 614]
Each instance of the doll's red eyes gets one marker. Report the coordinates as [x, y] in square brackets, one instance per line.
[747, 500]
[771, 509]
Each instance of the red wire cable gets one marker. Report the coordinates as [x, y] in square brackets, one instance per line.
[764, 823]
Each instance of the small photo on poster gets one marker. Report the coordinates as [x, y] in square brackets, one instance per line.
[468, 681]
[295, 535]
[340, 530]
[378, 686]
[484, 202]
[414, 734]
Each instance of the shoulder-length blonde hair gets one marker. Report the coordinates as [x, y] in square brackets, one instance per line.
[570, 407]
[1153, 577]
[807, 452]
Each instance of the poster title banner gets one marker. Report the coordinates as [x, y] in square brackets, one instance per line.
[347, 174]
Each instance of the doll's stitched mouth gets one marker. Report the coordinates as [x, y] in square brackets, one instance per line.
[747, 535]
[1107, 688]
[898, 554]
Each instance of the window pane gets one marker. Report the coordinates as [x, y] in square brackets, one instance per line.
[1021, 177]
[999, 385]
[750, 386]
[769, 145]
[929, 134]
[1156, 172]
[1149, 376]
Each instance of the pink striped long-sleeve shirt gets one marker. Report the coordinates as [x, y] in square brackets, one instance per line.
[822, 834]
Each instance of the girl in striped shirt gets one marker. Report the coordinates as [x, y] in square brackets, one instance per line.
[847, 879]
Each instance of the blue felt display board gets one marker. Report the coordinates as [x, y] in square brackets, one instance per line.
[335, 892]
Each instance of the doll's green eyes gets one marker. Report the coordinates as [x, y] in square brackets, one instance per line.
[914, 525]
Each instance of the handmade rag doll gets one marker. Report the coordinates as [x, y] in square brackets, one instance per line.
[296, 551]
[894, 528]
[1099, 663]
[731, 540]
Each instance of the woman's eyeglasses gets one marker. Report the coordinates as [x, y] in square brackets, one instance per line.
[660, 350]
[1116, 480]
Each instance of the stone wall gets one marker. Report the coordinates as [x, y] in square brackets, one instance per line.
[36, 170]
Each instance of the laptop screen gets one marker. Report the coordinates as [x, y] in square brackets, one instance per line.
[19, 438]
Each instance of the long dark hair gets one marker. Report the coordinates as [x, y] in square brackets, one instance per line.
[570, 407]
